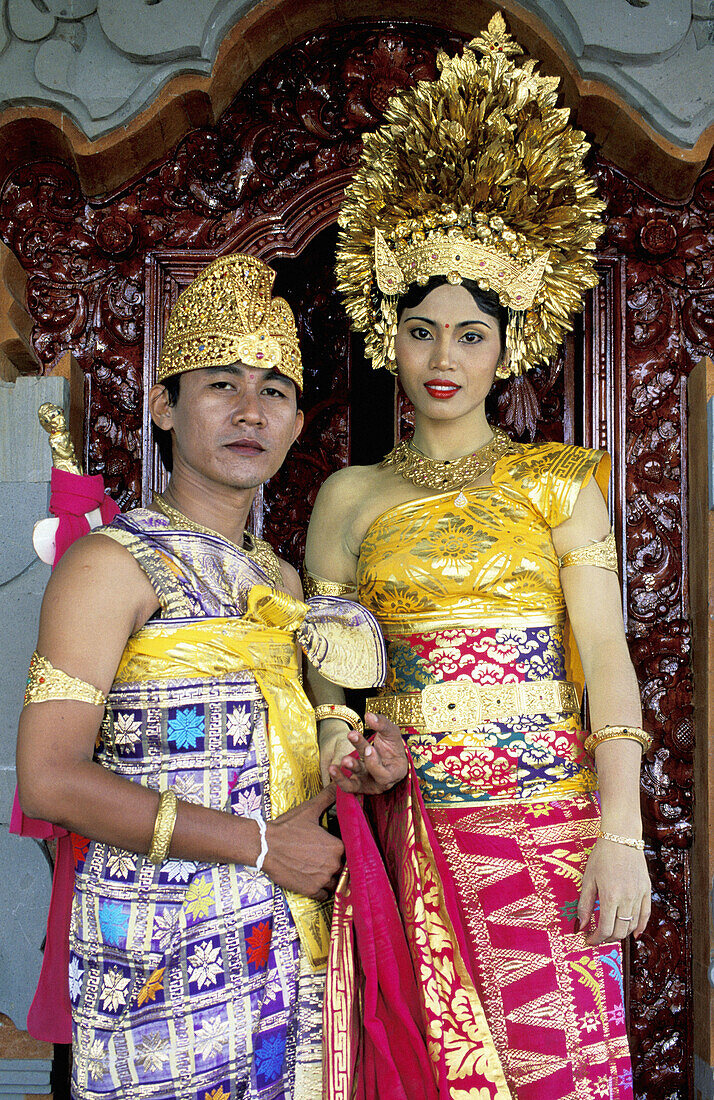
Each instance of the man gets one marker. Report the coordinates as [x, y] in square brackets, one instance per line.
[165, 720]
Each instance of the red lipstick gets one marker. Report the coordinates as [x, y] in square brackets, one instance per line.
[441, 389]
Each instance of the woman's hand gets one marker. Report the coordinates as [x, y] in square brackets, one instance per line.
[617, 876]
[373, 766]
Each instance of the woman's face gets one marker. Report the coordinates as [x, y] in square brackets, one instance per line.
[447, 353]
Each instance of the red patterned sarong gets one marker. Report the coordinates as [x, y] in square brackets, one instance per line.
[483, 883]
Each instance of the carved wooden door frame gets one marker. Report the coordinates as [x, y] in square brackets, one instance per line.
[169, 271]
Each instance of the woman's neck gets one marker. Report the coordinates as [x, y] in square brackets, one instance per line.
[446, 440]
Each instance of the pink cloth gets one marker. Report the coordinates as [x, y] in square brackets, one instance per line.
[393, 1059]
[72, 496]
[50, 1015]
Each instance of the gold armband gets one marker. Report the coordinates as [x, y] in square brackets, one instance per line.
[318, 586]
[616, 733]
[45, 683]
[333, 710]
[602, 554]
[163, 827]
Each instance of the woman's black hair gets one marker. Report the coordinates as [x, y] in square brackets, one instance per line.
[162, 438]
[486, 300]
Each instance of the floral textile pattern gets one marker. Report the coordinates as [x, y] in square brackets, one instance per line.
[183, 957]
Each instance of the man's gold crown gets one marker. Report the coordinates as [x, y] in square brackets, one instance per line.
[227, 315]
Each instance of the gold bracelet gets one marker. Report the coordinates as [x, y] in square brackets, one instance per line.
[45, 683]
[615, 733]
[163, 827]
[333, 710]
[629, 841]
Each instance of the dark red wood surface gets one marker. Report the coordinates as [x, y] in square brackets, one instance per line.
[268, 179]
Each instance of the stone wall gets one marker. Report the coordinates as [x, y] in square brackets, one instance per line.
[25, 871]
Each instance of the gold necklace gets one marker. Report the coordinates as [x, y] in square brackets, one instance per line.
[448, 476]
[258, 549]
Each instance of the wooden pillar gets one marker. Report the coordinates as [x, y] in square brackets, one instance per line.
[701, 573]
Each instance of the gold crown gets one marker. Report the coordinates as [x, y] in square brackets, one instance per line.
[227, 315]
[457, 258]
[477, 175]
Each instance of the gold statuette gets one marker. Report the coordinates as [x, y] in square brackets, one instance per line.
[52, 419]
[163, 827]
[46, 683]
[602, 554]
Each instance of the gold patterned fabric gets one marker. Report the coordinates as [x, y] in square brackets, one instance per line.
[469, 599]
[263, 643]
[497, 830]
[428, 563]
[227, 315]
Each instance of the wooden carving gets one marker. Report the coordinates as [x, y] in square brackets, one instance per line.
[102, 275]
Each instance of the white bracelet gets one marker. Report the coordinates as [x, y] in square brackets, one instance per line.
[263, 829]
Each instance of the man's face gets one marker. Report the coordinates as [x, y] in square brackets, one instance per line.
[231, 425]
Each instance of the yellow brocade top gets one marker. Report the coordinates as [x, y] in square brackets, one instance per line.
[429, 563]
[470, 593]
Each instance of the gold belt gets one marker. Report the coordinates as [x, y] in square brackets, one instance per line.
[462, 705]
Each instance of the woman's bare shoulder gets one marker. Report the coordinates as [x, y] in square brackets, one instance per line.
[346, 490]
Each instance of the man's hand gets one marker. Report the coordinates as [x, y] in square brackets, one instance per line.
[374, 766]
[302, 856]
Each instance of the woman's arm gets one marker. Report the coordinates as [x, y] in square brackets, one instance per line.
[328, 556]
[615, 873]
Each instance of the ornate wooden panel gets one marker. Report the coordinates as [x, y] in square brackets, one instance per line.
[268, 177]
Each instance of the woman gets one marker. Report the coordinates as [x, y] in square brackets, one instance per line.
[482, 560]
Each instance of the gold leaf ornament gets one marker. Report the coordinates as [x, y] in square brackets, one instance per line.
[476, 175]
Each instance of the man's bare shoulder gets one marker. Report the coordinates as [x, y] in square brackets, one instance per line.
[99, 570]
[291, 579]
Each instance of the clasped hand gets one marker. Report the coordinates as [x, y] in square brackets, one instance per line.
[617, 876]
[373, 766]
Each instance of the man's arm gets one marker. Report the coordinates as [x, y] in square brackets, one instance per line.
[97, 597]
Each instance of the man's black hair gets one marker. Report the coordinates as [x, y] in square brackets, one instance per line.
[486, 300]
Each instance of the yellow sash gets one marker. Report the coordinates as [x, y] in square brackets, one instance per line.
[262, 643]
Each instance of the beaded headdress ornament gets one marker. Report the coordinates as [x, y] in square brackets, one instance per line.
[477, 175]
[227, 315]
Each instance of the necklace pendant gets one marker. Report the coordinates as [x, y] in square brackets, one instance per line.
[461, 499]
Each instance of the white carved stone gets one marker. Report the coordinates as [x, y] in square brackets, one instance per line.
[103, 61]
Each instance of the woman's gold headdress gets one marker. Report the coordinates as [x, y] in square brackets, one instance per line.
[228, 315]
[477, 175]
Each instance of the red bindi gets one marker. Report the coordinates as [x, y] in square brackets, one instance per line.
[446, 326]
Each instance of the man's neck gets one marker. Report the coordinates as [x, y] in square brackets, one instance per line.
[218, 507]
